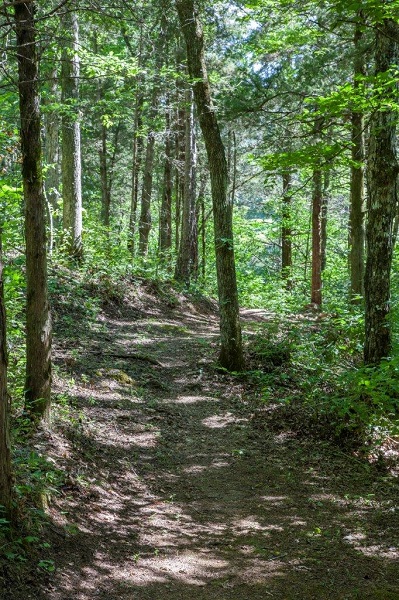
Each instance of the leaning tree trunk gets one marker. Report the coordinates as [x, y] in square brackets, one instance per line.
[356, 223]
[71, 166]
[382, 203]
[38, 320]
[5, 449]
[231, 355]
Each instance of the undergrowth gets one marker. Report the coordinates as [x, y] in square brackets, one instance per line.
[309, 368]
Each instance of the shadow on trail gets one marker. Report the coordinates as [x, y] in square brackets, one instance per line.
[181, 494]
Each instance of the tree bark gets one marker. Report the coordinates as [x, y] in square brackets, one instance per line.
[165, 225]
[71, 166]
[51, 152]
[286, 232]
[38, 320]
[5, 447]
[145, 212]
[317, 197]
[356, 219]
[323, 220]
[187, 260]
[231, 355]
[105, 191]
[382, 204]
[136, 166]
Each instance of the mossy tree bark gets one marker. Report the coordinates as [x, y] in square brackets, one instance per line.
[382, 203]
[38, 320]
[231, 355]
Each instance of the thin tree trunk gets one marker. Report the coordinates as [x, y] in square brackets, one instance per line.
[71, 152]
[187, 260]
[180, 161]
[286, 232]
[51, 152]
[5, 447]
[323, 219]
[38, 320]
[165, 226]
[137, 155]
[356, 219]
[317, 197]
[382, 204]
[104, 176]
[145, 213]
[201, 213]
[231, 355]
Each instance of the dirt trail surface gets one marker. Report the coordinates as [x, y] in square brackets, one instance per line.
[178, 489]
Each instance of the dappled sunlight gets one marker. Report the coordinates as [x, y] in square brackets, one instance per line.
[189, 567]
[190, 400]
[181, 492]
[220, 421]
[251, 524]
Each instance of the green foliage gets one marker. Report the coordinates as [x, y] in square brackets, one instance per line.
[311, 366]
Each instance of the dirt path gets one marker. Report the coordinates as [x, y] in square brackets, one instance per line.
[178, 490]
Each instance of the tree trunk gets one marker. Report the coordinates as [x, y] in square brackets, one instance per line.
[201, 213]
[5, 448]
[231, 355]
[356, 219]
[165, 225]
[71, 153]
[180, 157]
[51, 152]
[323, 220]
[187, 260]
[136, 166]
[317, 197]
[286, 232]
[105, 188]
[382, 204]
[145, 213]
[38, 320]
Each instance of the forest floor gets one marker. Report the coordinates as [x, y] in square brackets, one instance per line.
[177, 485]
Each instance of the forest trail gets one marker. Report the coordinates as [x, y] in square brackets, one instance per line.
[177, 489]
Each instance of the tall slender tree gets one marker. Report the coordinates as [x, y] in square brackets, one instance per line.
[357, 208]
[71, 164]
[382, 201]
[286, 231]
[38, 319]
[187, 259]
[231, 355]
[5, 450]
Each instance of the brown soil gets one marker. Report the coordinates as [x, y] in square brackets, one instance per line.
[178, 489]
